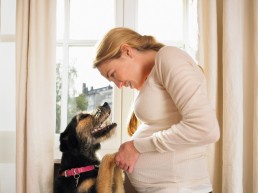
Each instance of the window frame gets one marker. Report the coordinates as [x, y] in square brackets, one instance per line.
[66, 43]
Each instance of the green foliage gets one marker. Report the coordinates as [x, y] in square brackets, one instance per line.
[75, 103]
[58, 97]
[81, 102]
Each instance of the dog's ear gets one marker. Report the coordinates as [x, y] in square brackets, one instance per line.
[67, 142]
[68, 139]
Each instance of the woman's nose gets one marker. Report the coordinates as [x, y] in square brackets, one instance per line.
[119, 84]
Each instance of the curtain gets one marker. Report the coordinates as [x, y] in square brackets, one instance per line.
[35, 91]
[228, 52]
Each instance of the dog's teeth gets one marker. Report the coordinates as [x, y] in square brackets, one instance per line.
[95, 130]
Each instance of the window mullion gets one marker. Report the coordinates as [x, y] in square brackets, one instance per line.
[82, 42]
[64, 98]
[0, 19]
[119, 8]
[130, 14]
[185, 23]
[127, 95]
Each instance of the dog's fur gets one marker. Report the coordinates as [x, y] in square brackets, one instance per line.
[78, 144]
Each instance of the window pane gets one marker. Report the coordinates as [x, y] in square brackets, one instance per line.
[91, 19]
[8, 17]
[87, 88]
[167, 25]
[59, 73]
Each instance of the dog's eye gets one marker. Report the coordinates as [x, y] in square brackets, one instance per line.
[83, 116]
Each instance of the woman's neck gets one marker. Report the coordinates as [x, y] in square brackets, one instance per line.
[149, 61]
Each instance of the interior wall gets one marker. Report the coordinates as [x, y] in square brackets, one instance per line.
[7, 118]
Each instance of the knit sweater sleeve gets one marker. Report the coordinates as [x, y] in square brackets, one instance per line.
[185, 84]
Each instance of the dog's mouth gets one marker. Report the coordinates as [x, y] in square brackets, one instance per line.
[102, 122]
[103, 130]
[97, 126]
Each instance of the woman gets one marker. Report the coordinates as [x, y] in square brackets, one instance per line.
[167, 153]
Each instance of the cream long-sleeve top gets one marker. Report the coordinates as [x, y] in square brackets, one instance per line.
[177, 124]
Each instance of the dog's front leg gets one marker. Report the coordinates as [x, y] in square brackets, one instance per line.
[118, 180]
[105, 175]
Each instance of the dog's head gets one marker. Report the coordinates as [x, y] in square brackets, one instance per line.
[87, 130]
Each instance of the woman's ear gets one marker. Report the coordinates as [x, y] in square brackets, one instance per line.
[126, 50]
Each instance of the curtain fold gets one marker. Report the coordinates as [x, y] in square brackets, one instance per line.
[208, 57]
[232, 169]
[228, 51]
[35, 101]
[255, 99]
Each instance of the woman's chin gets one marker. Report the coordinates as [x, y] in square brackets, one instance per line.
[136, 87]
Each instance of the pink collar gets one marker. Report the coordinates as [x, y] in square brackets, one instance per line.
[77, 171]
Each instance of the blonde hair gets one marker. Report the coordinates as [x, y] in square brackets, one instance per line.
[132, 124]
[109, 47]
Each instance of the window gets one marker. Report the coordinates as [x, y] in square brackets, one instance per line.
[80, 24]
[79, 87]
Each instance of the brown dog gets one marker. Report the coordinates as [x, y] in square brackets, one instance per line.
[81, 170]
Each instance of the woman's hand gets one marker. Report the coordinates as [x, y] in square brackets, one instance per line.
[127, 156]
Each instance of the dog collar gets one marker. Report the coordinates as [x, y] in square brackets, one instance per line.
[76, 171]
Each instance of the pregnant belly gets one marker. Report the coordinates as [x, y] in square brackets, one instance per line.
[169, 168]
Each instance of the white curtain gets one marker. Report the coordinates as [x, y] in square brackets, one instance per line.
[228, 50]
[35, 101]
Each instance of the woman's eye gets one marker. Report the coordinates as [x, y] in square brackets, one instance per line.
[112, 75]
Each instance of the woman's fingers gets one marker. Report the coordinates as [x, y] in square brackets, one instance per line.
[126, 157]
[130, 169]
[122, 165]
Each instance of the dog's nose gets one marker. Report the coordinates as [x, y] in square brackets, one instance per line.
[105, 104]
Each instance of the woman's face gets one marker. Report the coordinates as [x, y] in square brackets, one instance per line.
[124, 71]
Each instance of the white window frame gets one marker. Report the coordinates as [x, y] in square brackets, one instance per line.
[66, 43]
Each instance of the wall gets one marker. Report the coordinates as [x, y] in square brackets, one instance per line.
[7, 97]
[7, 117]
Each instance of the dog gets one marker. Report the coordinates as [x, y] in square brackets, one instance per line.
[80, 170]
